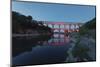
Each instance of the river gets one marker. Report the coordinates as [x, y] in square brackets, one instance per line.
[41, 50]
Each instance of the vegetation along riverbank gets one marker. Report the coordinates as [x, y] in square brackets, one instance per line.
[83, 43]
[25, 26]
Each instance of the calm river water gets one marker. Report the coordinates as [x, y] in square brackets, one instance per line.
[40, 50]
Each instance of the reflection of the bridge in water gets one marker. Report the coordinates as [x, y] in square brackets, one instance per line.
[58, 39]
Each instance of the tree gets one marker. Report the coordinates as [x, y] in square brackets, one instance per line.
[23, 23]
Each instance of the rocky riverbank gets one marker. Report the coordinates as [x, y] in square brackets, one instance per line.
[83, 47]
[83, 43]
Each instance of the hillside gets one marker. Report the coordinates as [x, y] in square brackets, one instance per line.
[84, 42]
[22, 24]
[90, 25]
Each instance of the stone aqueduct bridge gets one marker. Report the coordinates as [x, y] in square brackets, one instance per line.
[64, 26]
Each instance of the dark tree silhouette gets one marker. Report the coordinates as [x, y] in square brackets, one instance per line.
[22, 23]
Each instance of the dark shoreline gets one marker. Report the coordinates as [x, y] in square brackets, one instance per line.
[22, 35]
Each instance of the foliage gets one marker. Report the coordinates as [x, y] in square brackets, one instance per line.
[80, 50]
[22, 23]
[88, 26]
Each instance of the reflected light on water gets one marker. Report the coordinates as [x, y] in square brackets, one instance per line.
[58, 39]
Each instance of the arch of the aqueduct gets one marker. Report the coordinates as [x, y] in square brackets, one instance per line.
[66, 27]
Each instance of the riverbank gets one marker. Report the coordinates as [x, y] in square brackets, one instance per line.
[33, 35]
[83, 47]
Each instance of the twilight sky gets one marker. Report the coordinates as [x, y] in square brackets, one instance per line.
[55, 12]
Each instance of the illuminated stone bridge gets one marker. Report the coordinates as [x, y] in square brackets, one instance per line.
[64, 26]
